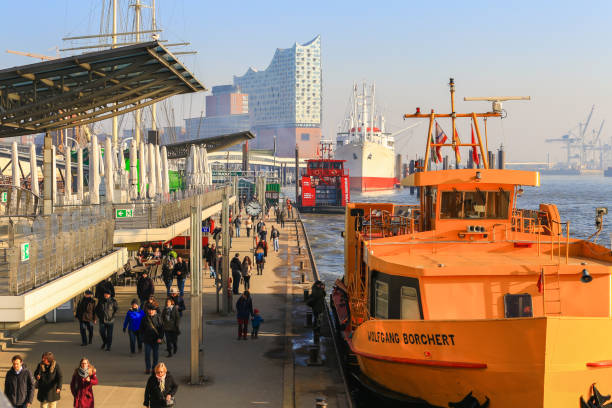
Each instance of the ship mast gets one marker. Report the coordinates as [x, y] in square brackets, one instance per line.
[453, 115]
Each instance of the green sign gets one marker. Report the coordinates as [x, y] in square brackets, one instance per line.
[25, 251]
[4, 196]
[124, 213]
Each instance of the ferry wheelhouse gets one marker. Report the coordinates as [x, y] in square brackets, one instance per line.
[467, 299]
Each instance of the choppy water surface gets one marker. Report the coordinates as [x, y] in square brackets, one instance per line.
[575, 196]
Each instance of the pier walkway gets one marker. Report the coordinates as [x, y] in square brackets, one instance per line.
[270, 371]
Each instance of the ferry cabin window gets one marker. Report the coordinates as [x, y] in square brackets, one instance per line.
[410, 304]
[475, 204]
[314, 165]
[337, 165]
[518, 305]
[381, 307]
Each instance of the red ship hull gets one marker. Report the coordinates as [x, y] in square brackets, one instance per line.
[373, 183]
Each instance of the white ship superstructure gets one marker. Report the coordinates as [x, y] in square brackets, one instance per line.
[365, 144]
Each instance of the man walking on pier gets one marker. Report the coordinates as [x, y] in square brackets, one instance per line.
[152, 334]
[237, 222]
[106, 311]
[19, 384]
[145, 287]
[316, 301]
[180, 270]
[85, 313]
[275, 234]
[236, 267]
[244, 310]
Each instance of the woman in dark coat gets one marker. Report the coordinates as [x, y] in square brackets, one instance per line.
[49, 379]
[170, 320]
[83, 380]
[160, 389]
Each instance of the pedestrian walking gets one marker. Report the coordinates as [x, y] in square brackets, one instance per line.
[145, 287]
[85, 314]
[168, 273]
[260, 258]
[152, 334]
[256, 321]
[105, 312]
[19, 384]
[211, 257]
[48, 377]
[263, 233]
[152, 303]
[249, 226]
[236, 268]
[179, 302]
[260, 225]
[275, 234]
[231, 234]
[171, 320]
[283, 215]
[181, 272]
[247, 267]
[244, 310]
[104, 286]
[81, 386]
[131, 323]
[316, 301]
[237, 222]
[160, 389]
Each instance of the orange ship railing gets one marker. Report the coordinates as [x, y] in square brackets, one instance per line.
[380, 224]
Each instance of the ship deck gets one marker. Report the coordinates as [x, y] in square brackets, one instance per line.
[439, 257]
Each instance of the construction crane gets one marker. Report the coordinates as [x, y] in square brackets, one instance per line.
[575, 143]
[33, 55]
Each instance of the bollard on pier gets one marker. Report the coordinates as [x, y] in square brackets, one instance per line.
[321, 403]
[309, 319]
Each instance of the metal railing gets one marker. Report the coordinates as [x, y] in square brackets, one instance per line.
[381, 223]
[36, 250]
[163, 214]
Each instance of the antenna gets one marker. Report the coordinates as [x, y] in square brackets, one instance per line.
[496, 105]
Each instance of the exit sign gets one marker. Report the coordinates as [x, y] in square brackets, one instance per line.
[4, 196]
[125, 213]
[25, 251]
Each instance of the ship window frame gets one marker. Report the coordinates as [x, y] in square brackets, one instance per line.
[469, 201]
[520, 297]
[377, 300]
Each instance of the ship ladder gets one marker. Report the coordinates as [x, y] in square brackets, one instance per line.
[551, 293]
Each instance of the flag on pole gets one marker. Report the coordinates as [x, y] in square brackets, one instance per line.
[457, 142]
[441, 138]
[540, 283]
[474, 151]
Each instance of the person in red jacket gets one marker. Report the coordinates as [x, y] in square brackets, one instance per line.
[83, 380]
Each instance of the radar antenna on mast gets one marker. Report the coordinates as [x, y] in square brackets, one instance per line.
[496, 101]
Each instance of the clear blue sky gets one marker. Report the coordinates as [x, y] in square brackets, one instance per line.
[556, 51]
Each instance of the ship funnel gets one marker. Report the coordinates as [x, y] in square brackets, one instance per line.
[586, 277]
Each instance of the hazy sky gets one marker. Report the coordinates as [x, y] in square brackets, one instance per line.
[558, 52]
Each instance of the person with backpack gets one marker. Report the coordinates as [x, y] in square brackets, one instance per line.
[85, 313]
[275, 234]
[260, 258]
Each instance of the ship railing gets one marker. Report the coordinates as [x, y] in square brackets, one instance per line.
[381, 224]
[538, 223]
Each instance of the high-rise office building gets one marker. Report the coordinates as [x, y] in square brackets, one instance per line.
[284, 100]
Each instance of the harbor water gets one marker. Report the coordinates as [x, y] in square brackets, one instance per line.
[577, 197]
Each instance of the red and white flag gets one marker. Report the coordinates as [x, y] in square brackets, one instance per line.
[441, 138]
[474, 151]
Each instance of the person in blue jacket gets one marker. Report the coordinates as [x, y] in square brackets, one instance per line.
[256, 321]
[132, 323]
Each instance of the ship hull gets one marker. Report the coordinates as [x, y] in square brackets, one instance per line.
[371, 166]
[530, 362]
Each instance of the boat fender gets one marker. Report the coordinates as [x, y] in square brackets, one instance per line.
[469, 401]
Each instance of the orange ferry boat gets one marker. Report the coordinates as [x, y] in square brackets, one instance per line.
[467, 301]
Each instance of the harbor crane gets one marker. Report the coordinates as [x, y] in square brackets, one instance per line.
[581, 149]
